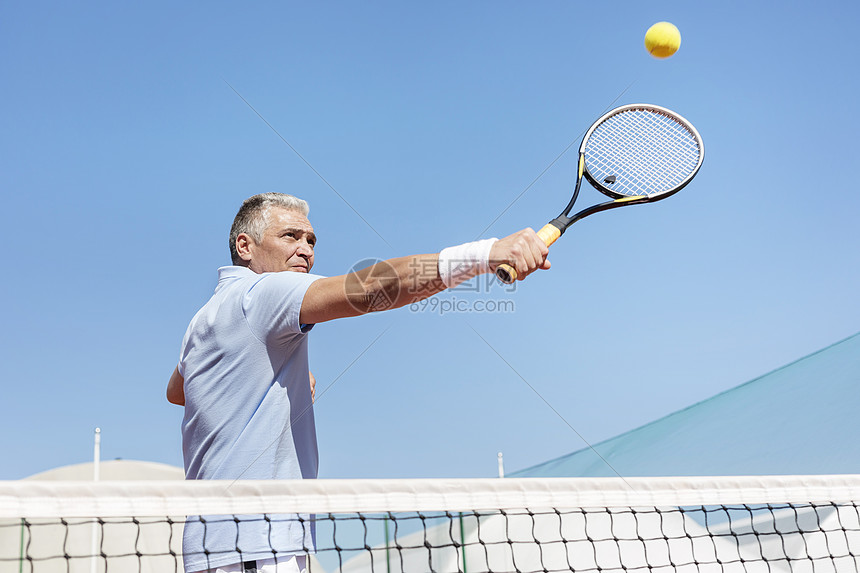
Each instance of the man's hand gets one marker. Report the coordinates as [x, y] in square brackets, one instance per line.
[313, 386]
[523, 250]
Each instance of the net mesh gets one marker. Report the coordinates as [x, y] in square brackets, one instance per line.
[642, 152]
[797, 524]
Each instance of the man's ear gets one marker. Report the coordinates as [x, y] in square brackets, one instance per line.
[243, 246]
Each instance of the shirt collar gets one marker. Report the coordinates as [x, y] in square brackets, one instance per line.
[226, 274]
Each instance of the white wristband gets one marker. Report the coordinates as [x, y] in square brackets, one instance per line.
[461, 263]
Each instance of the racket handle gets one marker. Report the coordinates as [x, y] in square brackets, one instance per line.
[548, 234]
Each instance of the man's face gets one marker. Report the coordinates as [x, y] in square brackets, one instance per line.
[287, 245]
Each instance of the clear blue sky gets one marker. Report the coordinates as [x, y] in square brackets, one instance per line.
[124, 156]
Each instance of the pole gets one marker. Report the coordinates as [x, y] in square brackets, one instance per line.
[501, 465]
[21, 549]
[97, 442]
[463, 541]
[387, 550]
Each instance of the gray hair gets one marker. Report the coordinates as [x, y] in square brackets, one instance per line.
[253, 217]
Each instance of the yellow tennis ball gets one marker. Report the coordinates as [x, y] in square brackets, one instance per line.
[662, 40]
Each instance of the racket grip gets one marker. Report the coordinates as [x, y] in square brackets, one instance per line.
[548, 234]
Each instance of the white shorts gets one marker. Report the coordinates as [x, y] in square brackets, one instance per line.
[294, 564]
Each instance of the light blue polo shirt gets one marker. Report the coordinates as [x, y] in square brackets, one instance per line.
[248, 408]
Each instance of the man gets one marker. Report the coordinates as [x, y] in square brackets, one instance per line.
[243, 373]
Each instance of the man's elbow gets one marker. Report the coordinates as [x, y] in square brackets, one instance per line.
[381, 293]
[175, 398]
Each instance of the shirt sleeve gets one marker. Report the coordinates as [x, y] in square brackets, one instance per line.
[273, 304]
[180, 366]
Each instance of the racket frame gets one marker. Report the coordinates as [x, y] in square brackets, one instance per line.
[551, 232]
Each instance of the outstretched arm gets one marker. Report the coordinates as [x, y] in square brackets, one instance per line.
[398, 282]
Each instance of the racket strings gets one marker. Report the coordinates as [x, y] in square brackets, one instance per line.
[643, 152]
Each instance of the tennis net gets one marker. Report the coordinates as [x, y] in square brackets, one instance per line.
[654, 525]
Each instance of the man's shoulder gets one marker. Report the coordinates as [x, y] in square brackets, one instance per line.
[272, 302]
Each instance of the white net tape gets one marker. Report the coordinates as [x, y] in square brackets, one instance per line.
[768, 524]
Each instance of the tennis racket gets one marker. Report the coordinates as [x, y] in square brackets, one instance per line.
[635, 154]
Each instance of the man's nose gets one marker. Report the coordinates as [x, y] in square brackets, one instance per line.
[305, 249]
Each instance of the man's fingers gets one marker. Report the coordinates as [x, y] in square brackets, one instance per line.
[523, 250]
[535, 253]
